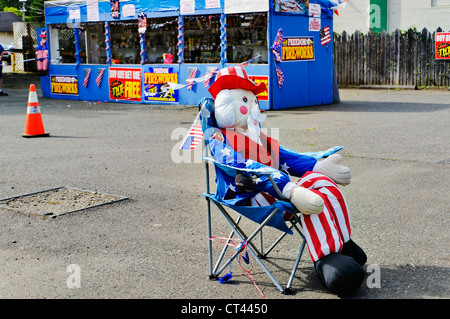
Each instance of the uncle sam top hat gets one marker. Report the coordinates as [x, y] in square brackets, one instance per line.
[234, 77]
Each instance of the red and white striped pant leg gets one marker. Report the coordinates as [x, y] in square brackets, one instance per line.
[325, 232]
[263, 199]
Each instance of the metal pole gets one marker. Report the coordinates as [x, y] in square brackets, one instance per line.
[294, 270]
[219, 260]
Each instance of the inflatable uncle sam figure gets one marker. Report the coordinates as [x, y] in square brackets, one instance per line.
[315, 193]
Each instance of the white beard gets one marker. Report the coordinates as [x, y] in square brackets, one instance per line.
[254, 129]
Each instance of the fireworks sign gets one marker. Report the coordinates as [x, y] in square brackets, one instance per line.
[64, 84]
[297, 49]
[154, 81]
[442, 46]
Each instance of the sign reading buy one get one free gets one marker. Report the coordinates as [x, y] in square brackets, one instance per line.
[125, 84]
[442, 46]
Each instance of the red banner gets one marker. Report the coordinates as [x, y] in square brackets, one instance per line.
[264, 96]
[442, 46]
[125, 84]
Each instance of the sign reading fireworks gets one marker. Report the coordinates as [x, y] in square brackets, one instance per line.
[154, 82]
[297, 49]
[64, 84]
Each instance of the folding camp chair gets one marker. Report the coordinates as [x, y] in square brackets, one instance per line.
[272, 216]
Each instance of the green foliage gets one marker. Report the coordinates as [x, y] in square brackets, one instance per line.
[13, 10]
[34, 9]
[9, 3]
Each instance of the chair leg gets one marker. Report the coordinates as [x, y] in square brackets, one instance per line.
[297, 261]
[219, 260]
[261, 244]
[208, 205]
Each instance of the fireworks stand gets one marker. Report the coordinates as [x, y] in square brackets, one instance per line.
[157, 52]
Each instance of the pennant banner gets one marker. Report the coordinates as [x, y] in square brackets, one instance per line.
[193, 80]
[87, 75]
[208, 76]
[99, 77]
[190, 81]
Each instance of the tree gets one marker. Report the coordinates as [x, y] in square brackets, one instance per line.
[34, 9]
[9, 3]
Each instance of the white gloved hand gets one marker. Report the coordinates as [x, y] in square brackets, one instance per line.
[331, 167]
[306, 201]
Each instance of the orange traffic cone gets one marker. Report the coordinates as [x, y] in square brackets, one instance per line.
[34, 126]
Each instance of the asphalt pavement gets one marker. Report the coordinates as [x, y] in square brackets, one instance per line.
[154, 245]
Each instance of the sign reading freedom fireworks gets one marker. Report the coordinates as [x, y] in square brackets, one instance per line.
[297, 49]
[153, 82]
[64, 84]
[442, 46]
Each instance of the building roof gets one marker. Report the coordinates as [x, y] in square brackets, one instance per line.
[6, 21]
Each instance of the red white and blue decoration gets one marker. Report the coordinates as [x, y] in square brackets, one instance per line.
[276, 51]
[325, 36]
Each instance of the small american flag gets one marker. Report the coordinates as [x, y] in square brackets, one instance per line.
[99, 77]
[245, 63]
[325, 36]
[194, 136]
[190, 81]
[87, 74]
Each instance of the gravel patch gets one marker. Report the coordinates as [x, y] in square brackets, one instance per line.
[58, 201]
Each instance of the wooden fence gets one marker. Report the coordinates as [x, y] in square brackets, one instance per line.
[400, 58]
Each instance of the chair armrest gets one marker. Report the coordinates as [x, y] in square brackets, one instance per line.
[264, 170]
[232, 171]
[318, 155]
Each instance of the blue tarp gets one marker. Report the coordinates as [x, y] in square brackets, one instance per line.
[61, 9]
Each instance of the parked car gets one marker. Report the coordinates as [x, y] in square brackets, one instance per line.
[6, 55]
